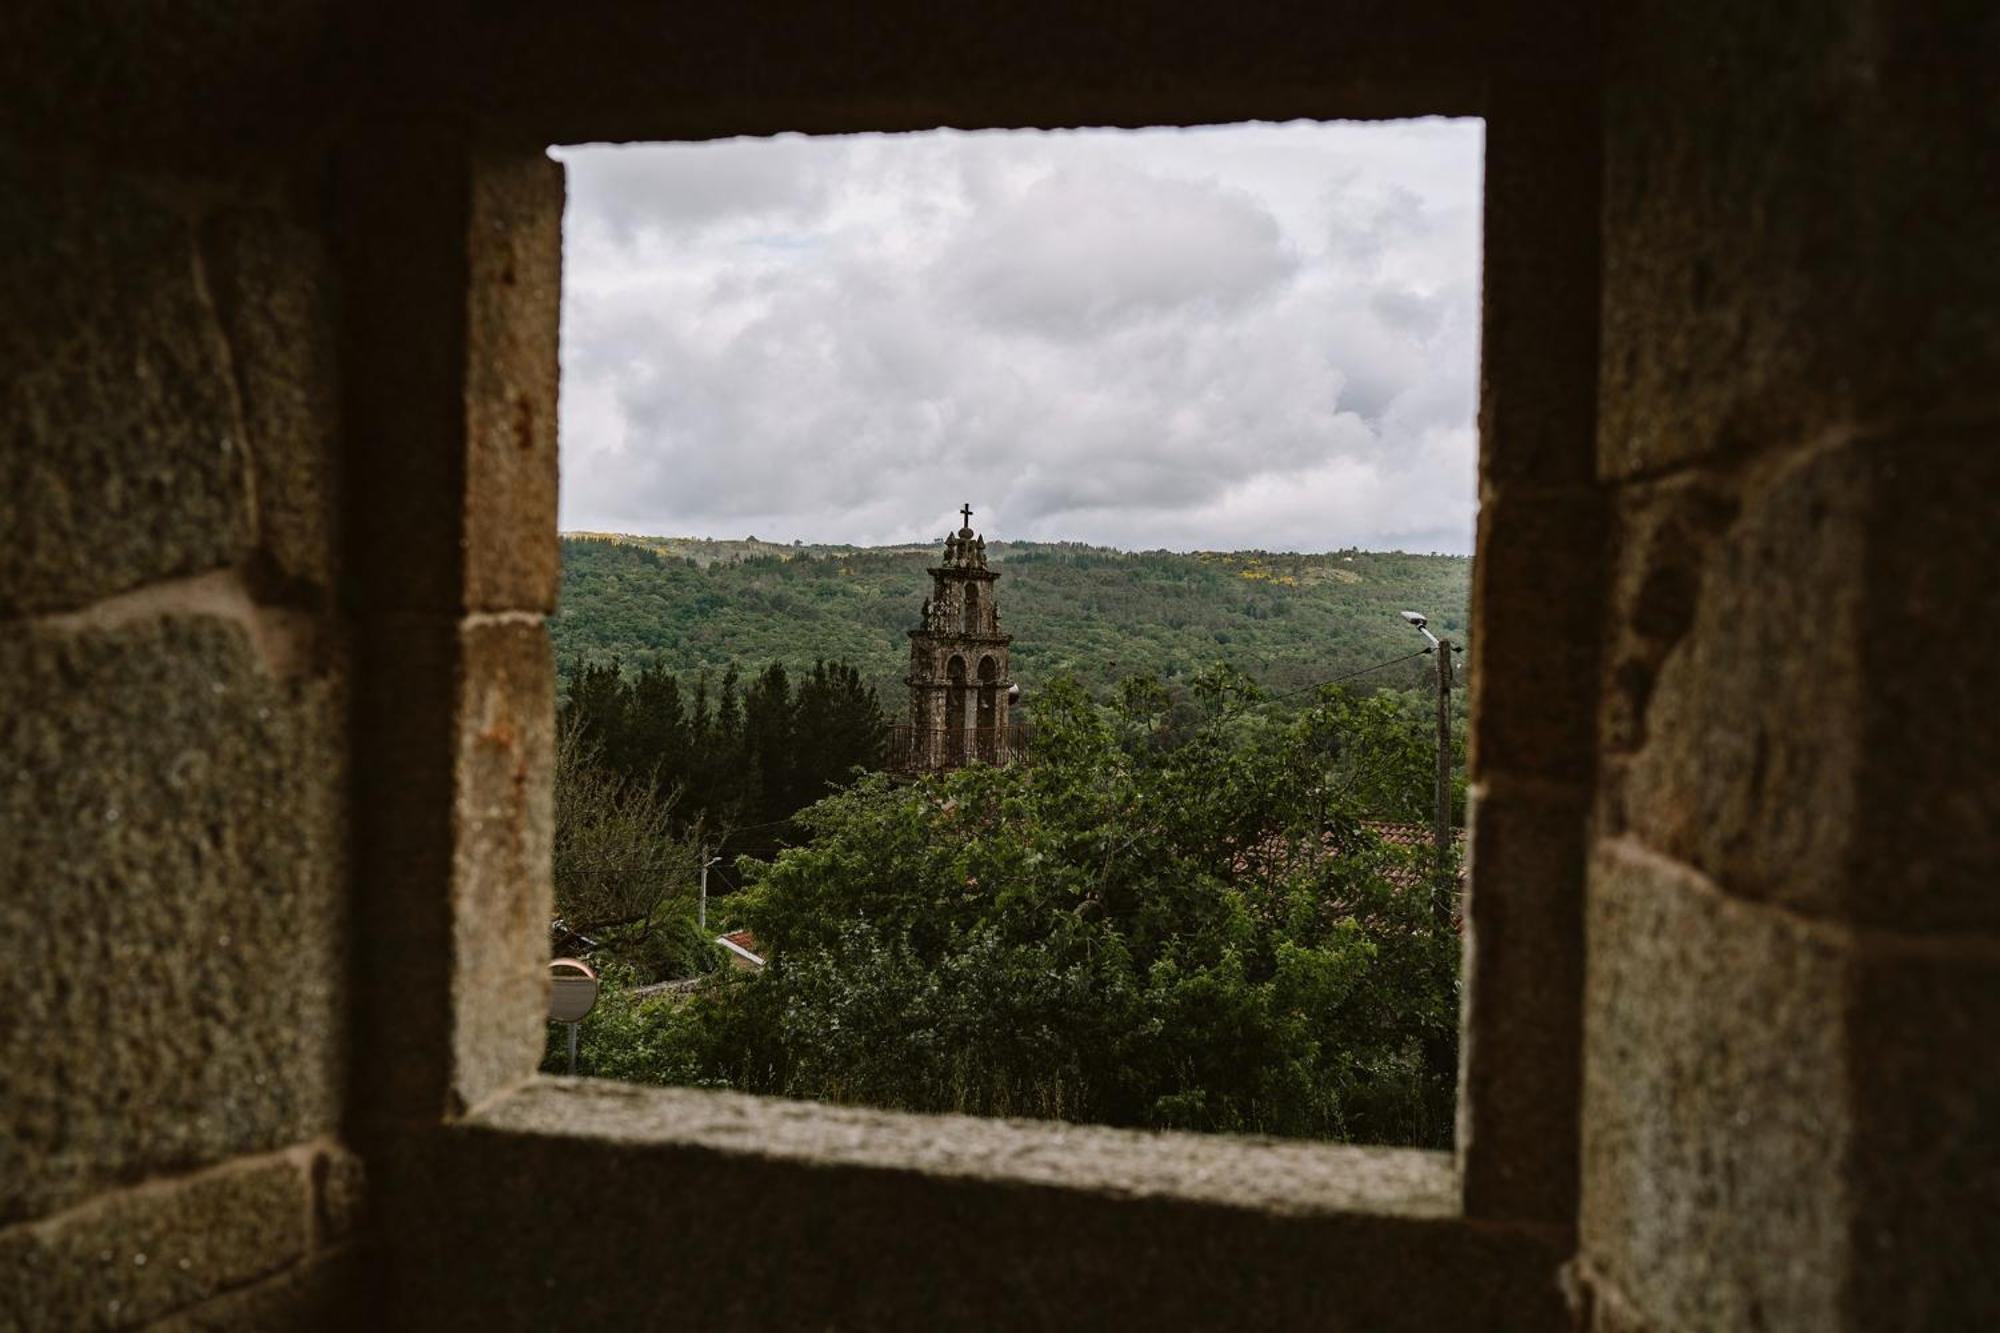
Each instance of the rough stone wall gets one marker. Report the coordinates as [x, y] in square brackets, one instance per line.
[173, 753]
[216, 718]
[1791, 1110]
[451, 293]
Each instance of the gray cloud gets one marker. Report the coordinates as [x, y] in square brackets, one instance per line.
[1081, 254]
[674, 189]
[1257, 336]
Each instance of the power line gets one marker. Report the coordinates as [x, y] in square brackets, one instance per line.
[730, 831]
[1335, 680]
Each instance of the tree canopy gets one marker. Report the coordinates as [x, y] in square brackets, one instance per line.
[1147, 922]
[734, 760]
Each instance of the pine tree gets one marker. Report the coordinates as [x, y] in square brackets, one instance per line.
[746, 762]
[658, 743]
[769, 726]
[598, 705]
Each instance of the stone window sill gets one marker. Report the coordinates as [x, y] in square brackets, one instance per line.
[832, 1217]
[1288, 1177]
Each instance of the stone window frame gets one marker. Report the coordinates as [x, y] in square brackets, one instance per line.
[452, 275]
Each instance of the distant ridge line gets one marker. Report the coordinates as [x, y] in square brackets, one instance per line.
[673, 543]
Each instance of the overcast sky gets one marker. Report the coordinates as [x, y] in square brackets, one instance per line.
[1255, 336]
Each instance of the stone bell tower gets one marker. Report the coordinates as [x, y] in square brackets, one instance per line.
[958, 663]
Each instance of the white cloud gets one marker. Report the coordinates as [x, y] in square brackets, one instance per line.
[1251, 336]
[1079, 254]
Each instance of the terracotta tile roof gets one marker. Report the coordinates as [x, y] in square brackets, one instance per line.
[744, 945]
[1407, 835]
[1405, 871]
[1415, 837]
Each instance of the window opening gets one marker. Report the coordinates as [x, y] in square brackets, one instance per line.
[1154, 843]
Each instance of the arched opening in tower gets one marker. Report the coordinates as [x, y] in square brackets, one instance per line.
[986, 725]
[954, 711]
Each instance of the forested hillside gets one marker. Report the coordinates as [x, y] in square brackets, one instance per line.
[1097, 614]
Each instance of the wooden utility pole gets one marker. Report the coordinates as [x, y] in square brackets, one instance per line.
[1441, 825]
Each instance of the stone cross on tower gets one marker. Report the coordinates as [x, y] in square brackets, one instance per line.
[958, 662]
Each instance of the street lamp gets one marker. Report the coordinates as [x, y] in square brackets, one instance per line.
[702, 919]
[1441, 819]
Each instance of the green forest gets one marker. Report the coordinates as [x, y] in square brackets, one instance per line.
[1091, 613]
[735, 762]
